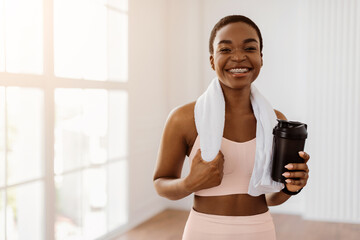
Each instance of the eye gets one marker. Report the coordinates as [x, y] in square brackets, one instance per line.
[250, 49]
[225, 50]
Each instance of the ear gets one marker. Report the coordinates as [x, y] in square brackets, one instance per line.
[212, 62]
[261, 59]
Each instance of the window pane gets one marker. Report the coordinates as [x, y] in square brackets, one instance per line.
[68, 206]
[118, 182]
[24, 36]
[97, 48]
[68, 131]
[2, 136]
[80, 128]
[118, 46]
[80, 39]
[95, 125]
[2, 37]
[118, 114]
[25, 214]
[25, 133]
[2, 215]
[94, 203]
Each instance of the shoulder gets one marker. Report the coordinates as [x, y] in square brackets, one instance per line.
[181, 123]
[182, 118]
[280, 115]
[181, 115]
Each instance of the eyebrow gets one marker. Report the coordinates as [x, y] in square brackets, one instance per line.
[230, 42]
[225, 42]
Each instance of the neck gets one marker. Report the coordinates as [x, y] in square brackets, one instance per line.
[237, 101]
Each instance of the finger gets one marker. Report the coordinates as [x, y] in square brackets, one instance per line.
[220, 158]
[198, 152]
[300, 182]
[198, 158]
[299, 174]
[221, 168]
[298, 166]
[216, 162]
[221, 174]
[304, 155]
[198, 155]
[220, 163]
[220, 154]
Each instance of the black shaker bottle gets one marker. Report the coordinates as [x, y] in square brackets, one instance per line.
[289, 139]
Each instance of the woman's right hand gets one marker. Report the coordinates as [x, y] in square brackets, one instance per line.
[205, 174]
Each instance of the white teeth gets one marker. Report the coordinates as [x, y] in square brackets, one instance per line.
[239, 70]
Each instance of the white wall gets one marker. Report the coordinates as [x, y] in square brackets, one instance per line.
[334, 103]
[147, 104]
[183, 60]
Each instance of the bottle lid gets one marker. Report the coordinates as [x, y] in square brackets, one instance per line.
[290, 129]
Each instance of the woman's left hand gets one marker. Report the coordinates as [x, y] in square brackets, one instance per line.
[302, 173]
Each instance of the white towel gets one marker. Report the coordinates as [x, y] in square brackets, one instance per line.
[209, 115]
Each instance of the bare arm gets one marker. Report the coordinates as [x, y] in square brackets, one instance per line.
[171, 155]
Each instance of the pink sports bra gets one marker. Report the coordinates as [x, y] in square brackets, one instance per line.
[238, 166]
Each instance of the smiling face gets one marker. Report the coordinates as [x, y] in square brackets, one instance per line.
[237, 59]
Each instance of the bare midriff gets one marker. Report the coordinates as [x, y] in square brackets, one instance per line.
[231, 205]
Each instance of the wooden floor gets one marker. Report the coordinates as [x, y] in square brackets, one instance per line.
[169, 225]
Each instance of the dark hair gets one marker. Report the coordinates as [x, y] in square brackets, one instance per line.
[232, 19]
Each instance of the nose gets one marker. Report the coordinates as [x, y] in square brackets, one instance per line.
[238, 55]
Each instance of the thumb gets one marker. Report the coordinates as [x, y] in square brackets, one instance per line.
[219, 159]
[201, 159]
[198, 156]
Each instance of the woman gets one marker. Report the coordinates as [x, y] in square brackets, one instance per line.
[222, 208]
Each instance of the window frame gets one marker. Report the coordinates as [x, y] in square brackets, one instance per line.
[48, 82]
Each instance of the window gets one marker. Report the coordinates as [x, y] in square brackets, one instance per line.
[63, 118]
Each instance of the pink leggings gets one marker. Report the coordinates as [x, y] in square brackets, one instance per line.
[201, 226]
